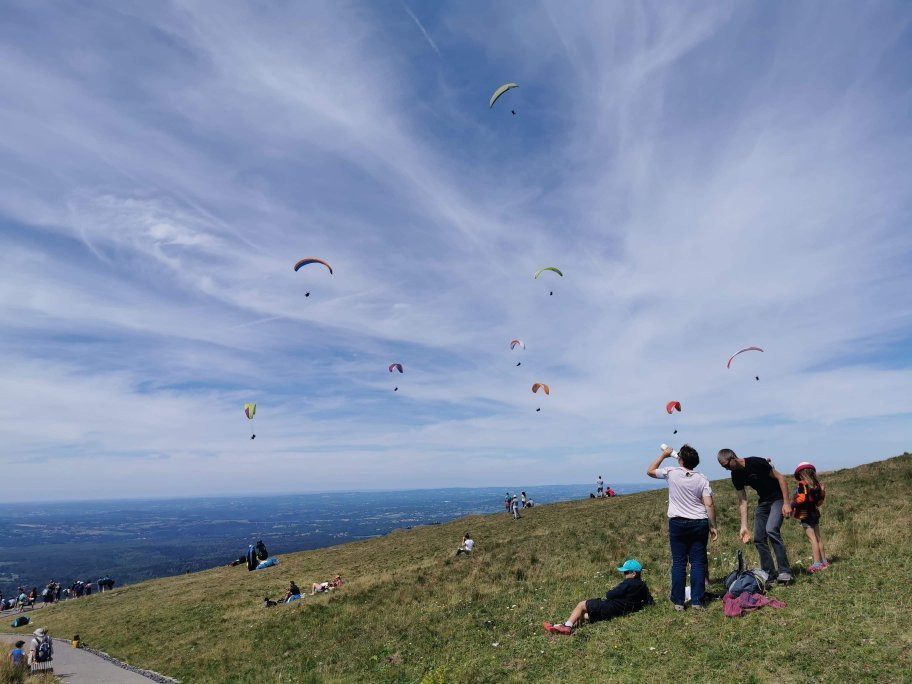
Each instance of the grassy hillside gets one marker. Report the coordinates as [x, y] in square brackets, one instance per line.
[411, 611]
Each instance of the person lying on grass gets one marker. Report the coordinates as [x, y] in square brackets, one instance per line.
[627, 597]
[320, 587]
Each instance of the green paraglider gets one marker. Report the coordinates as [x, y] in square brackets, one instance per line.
[250, 412]
[500, 91]
[548, 268]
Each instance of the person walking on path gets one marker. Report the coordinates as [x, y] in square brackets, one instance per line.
[772, 508]
[806, 503]
[41, 651]
[691, 521]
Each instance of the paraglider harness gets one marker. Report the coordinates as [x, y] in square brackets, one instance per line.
[745, 581]
[255, 554]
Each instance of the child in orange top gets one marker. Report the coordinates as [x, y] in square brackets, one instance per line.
[806, 504]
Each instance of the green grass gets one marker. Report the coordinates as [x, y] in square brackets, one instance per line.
[411, 611]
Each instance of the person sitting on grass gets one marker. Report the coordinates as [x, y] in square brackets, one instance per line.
[467, 546]
[292, 591]
[627, 597]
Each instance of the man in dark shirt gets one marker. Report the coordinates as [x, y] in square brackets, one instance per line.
[772, 508]
[627, 597]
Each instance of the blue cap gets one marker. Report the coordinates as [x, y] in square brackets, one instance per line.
[631, 566]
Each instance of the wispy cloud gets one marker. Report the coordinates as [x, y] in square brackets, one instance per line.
[427, 37]
[706, 178]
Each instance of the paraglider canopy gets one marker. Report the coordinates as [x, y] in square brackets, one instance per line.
[395, 366]
[517, 343]
[548, 268]
[540, 385]
[500, 91]
[250, 412]
[311, 260]
[732, 358]
[673, 406]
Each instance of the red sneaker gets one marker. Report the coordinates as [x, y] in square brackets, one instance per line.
[558, 629]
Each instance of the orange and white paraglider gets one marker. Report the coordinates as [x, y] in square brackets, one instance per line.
[543, 387]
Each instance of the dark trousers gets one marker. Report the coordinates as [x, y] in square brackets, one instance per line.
[767, 530]
[688, 543]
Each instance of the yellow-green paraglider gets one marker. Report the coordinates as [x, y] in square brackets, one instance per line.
[548, 268]
[250, 412]
[500, 91]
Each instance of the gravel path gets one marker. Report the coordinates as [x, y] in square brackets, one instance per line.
[87, 666]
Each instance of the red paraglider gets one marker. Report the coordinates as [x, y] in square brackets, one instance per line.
[729, 364]
[673, 406]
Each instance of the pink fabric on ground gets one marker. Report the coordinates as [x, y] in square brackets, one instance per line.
[747, 603]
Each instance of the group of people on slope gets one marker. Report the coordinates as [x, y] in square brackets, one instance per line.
[294, 593]
[38, 657]
[53, 593]
[692, 522]
[601, 490]
[512, 504]
[692, 515]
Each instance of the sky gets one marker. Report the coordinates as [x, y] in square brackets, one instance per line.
[707, 176]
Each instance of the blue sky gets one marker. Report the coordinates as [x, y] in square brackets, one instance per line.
[707, 176]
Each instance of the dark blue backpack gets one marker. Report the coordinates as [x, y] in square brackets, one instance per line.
[43, 653]
[745, 581]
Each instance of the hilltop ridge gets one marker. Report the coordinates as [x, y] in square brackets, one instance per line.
[411, 611]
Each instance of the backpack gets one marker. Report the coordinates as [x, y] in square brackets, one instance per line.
[813, 495]
[745, 581]
[43, 652]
